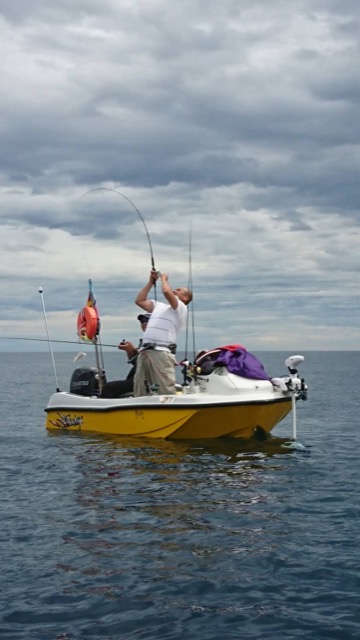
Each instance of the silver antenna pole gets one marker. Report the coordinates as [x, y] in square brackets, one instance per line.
[49, 341]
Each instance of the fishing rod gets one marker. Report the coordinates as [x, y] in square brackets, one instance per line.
[61, 341]
[48, 340]
[190, 286]
[119, 193]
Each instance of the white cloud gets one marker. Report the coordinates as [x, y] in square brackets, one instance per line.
[237, 119]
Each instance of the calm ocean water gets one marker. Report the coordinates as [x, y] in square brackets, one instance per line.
[115, 538]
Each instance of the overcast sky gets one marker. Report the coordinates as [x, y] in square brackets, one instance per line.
[237, 119]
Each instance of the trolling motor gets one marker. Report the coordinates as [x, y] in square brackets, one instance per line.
[298, 390]
[295, 383]
[292, 382]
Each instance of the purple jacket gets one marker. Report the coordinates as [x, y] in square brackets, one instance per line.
[242, 363]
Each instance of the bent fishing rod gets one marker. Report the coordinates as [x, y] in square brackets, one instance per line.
[119, 193]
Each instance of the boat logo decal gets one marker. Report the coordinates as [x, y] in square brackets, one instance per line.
[166, 399]
[65, 421]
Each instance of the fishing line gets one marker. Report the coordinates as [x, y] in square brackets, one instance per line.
[87, 344]
[140, 216]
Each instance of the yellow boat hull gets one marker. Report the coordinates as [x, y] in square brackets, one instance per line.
[226, 419]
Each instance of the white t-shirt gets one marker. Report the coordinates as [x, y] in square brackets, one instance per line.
[164, 323]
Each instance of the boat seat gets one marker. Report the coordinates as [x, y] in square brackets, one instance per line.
[118, 389]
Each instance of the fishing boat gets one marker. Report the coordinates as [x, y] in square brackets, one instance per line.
[212, 402]
[216, 398]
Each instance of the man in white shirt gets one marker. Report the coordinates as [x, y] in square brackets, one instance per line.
[156, 360]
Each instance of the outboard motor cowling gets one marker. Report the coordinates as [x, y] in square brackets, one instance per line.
[85, 381]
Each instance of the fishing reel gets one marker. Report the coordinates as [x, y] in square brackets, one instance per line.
[190, 371]
[155, 275]
[151, 389]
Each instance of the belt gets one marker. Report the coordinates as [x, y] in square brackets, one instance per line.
[158, 347]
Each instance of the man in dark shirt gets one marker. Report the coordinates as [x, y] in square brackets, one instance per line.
[119, 388]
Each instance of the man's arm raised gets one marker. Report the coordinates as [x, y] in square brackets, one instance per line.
[170, 296]
[141, 298]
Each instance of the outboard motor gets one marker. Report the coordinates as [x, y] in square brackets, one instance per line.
[85, 381]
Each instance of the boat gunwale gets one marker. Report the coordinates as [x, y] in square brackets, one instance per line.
[167, 406]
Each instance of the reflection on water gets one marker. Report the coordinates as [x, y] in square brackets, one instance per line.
[232, 449]
[192, 497]
[163, 526]
[161, 482]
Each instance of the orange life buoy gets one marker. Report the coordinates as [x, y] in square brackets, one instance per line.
[87, 323]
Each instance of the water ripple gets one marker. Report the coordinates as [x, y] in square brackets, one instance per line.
[108, 538]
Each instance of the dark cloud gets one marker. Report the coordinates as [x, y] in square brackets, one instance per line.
[21, 11]
[239, 118]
